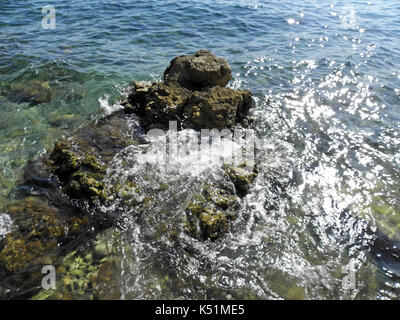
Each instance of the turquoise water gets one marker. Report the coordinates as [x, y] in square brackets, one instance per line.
[326, 77]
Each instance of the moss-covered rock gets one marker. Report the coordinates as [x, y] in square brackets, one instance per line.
[40, 228]
[217, 108]
[86, 185]
[156, 103]
[200, 70]
[80, 162]
[34, 92]
[81, 174]
[41, 233]
[209, 212]
[241, 178]
[213, 223]
[18, 253]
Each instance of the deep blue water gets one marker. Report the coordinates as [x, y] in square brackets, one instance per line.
[326, 76]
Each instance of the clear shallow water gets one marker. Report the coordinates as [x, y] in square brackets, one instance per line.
[327, 81]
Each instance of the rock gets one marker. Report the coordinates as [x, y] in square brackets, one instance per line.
[42, 231]
[34, 92]
[40, 228]
[80, 162]
[74, 278]
[217, 108]
[86, 185]
[157, 103]
[213, 224]
[214, 108]
[241, 178]
[193, 93]
[82, 275]
[198, 71]
[209, 213]
[82, 174]
[76, 181]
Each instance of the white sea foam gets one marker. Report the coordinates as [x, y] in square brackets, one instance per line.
[107, 107]
[5, 224]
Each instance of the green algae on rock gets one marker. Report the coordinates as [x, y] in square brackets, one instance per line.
[200, 70]
[241, 178]
[193, 93]
[88, 273]
[66, 188]
[80, 162]
[157, 103]
[40, 228]
[83, 277]
[34, 92]
[209, 213]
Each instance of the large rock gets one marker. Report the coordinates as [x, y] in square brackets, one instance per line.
[42, 231]
[217, 108]
[199, 71]
[156, 103]
[193, 93]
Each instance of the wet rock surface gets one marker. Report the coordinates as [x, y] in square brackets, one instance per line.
[34, 92]
[62, 196]
[193, 93]
[198, 71]
[57, 210]
[217, 108]
[157, 103]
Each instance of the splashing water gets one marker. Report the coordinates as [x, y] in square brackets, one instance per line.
[326, 79]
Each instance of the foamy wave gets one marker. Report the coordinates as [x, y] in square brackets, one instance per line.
[107, 107]
[5, 224]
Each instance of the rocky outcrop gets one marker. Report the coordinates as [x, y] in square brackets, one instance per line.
[62, 193]
[58, 207]
[199, 71]
[193, 93]
[156, 103]
[217, 108]
[80, 162]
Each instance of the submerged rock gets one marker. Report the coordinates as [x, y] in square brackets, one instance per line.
[241, 178]
[34, 92]
[80, 162]
[199, 71]
[48, 219]
[82, 276]
[63, 193]
[209, 213]
[40, 228]
[41, 232]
